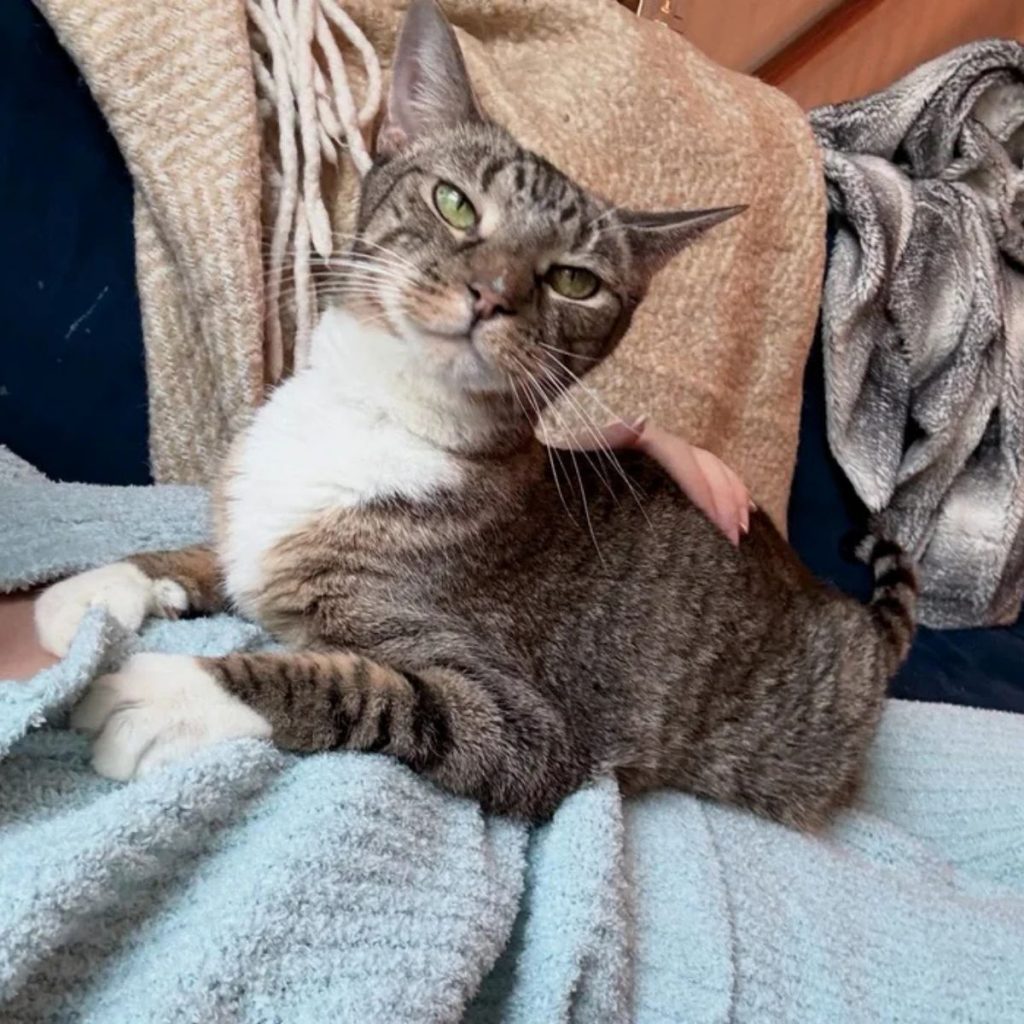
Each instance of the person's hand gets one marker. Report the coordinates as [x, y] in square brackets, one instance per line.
[21, 655]
[707, 481]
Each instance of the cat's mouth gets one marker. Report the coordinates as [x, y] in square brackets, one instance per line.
[470, 357]
[456, 336]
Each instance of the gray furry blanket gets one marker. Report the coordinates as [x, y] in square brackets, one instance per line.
[923, 321]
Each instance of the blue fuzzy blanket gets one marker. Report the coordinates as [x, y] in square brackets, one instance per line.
[252, 886]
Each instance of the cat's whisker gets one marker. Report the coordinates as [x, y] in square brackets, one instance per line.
[349, 260]
[348, 241]
[596, 398]
[323, 279]
[348, 267]
[344, 280]
[368, 279]
[595, 221]
[532, 380]
[602, 445]
[390, 253]
[565, 352]
[533, 419]
[605, 451]
[603, 215]
[364, 289]
[352, 257]
[529, 382]
[585, 503]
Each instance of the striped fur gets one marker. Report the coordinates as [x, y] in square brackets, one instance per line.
[501, 617]
[894, 597]
[492, 650]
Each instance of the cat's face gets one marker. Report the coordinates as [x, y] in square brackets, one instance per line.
[493, 259]
[504, 274]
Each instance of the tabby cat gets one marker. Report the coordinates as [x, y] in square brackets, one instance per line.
[391, 517]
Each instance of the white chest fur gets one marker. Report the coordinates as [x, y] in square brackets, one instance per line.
[347, 430]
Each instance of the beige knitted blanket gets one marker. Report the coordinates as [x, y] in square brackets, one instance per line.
[625, 105]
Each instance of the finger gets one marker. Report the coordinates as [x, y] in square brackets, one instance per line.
[740, 497]
[678, 458]
[724, 515]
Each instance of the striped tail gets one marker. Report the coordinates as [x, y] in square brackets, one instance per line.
[894, 598]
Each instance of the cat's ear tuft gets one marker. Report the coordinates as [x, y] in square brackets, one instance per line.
[654, 238]
[430, 88]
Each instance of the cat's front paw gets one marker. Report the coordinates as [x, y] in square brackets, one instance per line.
[123, 589]
[157, 709]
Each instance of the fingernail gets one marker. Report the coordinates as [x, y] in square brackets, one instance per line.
[639, 423]
[753, 506]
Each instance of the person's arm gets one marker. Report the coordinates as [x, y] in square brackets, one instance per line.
[21, 656]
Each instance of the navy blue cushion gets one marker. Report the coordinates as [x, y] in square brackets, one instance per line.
[72, 372]
[977, 667]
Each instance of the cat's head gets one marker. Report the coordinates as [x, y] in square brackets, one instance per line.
[505, 274]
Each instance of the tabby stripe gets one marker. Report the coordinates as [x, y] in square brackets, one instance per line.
[430, 727]
[885, 548]
[891, 604]
[584, 236]
[898, 575]
[491, 168]
[536, 186]
[341, 725]
[415, 169]
[383, 731]
[243, 682]
[361, 686]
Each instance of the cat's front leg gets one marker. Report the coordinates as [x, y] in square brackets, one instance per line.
[483, 734]
[161, 583]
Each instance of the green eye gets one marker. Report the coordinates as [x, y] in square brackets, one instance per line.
[454, 207]
[573, 282]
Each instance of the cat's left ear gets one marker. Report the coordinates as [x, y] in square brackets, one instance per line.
[430, 89]
[654, 238]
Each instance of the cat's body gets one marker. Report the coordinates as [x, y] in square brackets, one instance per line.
[628, 623]
[506, 619]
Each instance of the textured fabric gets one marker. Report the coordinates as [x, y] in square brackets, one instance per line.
[923, 315]
[252, 886]
[627, 106]
[975, 667]
[174, 79]
[72, 366]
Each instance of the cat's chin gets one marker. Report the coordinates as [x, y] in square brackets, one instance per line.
[456, 361]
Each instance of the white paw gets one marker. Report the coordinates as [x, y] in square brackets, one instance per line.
[157, 709]
[122, 588]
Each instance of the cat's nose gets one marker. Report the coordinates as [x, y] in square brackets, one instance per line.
[489, 299]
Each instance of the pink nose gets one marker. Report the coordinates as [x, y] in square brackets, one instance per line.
[488, 300]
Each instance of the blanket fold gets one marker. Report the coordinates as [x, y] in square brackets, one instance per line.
[254, 886]
[923, 322]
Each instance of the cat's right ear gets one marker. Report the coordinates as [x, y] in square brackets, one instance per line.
[430, 89]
